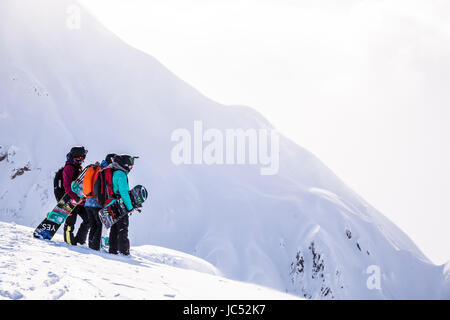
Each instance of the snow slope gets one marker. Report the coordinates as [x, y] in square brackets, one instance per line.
[37, 269]
[302, 230]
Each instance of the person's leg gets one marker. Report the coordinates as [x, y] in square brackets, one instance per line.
[113, 246]
[123, 243]
[83, 230]
[95, 231]
[69, 226]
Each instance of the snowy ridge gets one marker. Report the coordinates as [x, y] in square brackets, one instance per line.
[39, 269]
[302, 230]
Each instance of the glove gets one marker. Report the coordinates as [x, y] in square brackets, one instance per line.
[76, 200]
[134, 209]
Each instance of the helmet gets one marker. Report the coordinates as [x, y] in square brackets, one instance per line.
[110, 157]
[78, 153]
[125, 161]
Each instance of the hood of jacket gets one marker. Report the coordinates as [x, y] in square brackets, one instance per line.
[117, 166]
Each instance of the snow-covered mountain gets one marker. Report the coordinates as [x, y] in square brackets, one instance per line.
[301, 231]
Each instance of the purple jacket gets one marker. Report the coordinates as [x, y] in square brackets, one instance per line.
[70, 173]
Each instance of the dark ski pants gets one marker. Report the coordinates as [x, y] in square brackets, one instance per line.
[95, 232]
[69, 226]
[118, 237]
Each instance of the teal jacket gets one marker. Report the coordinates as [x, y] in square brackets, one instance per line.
[120, 186]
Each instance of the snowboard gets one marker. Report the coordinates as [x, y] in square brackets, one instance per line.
[55, 218]
[104, 243]
[116, 209]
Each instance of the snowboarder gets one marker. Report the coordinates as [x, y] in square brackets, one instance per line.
[72, 170]
[118, 237]
[92, 206]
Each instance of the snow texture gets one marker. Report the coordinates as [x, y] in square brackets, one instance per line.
[301, 231]
[40, 269]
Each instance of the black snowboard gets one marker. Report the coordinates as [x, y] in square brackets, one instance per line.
[55, 218]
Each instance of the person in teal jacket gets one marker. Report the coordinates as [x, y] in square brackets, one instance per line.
[118, 237]
[121, 187]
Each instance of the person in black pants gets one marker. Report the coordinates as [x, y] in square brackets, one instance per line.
[92, 209]
[118, 236]
[72, 170]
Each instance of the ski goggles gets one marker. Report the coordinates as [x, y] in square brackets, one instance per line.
[79, 158]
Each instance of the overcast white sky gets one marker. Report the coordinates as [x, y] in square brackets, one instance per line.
[364, 85]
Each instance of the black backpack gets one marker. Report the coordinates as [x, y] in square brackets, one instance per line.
[58, 187]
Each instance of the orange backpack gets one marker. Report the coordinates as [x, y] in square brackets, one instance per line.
[89, 180]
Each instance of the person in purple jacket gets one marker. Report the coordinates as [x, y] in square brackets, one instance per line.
[72, 170]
